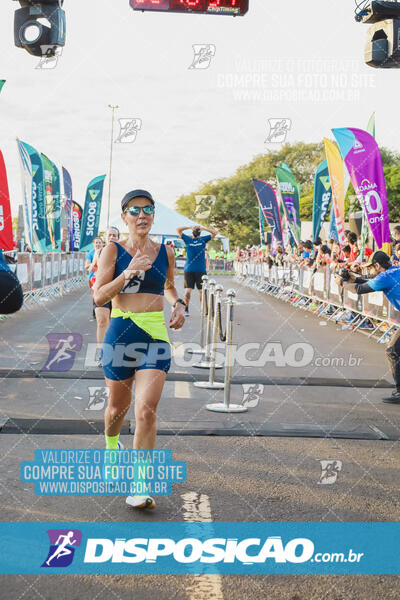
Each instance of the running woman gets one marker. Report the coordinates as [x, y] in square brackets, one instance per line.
[102, 313]
[135, 275]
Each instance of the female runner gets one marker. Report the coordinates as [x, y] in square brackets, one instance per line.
[134, 274]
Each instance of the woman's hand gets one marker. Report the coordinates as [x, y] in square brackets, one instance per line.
[140, 262]
[178, 317]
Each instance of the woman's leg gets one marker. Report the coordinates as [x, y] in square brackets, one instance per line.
[103, 321]
[119, 401]
[149, 384]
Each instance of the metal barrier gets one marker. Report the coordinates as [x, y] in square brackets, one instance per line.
[204, 312]
[208, 348]
[24, 271]
[63, 266]
[227, 407]
[38, 271]
[212, 328]
[50, 275]
[211, 384]
[318, 285]
[220, 264]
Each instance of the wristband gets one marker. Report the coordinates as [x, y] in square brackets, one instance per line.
[180, 302]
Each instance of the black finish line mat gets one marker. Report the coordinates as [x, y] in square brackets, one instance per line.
[190, 377]
[198, 428]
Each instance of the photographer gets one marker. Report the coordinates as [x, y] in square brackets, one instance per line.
[386, 279]
[11, 294]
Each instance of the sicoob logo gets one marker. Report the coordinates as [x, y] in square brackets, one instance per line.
[62, 547]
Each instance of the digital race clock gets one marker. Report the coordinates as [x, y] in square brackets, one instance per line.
[209, 7]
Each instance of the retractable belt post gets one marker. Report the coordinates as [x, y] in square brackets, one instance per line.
[211, 384]
[206, 363]
[227, 407]
[204, 311]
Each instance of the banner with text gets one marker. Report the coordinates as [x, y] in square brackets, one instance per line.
[91, 213]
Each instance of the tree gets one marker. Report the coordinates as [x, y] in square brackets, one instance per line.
[392, 177]
[234, 212]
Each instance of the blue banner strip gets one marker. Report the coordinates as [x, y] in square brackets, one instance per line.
[200, 548]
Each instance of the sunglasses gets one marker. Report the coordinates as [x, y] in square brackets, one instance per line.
[135, 210]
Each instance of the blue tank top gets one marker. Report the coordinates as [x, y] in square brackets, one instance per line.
[148, 282]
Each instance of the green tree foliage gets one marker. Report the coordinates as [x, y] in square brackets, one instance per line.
[235, 210]
[392, 177]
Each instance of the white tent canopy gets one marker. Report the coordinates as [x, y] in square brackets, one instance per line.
[167, 220]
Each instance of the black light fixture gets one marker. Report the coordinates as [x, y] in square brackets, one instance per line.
[382, 49]
[39, 26]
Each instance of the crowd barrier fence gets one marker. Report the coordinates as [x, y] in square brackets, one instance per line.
[43, 276]
[318, 284]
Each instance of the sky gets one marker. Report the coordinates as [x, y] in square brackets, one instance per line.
[299, 61]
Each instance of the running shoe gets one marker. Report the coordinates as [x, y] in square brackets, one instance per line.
[120, 445]
[141, 502]
[393, 399]
[187, 311]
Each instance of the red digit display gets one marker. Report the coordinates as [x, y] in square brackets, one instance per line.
[210, 7]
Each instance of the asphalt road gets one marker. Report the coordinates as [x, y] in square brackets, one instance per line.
[260, 465]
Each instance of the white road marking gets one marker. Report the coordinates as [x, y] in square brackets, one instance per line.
[182, 389]
[202, 587]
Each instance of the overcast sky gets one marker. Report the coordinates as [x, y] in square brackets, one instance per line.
[301, 61]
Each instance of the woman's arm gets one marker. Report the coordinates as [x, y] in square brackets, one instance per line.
[105, 287]
[171, 293]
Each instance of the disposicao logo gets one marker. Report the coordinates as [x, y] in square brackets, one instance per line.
[190, 550]
[62, 547]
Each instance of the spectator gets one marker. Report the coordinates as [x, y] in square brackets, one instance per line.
[352, 239]
[396, 234]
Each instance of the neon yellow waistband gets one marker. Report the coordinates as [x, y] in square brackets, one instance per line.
[151, 322]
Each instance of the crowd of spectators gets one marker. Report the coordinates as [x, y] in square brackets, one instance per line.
[351, 256]
[319, 253]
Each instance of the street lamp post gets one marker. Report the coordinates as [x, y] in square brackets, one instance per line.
[113, 107]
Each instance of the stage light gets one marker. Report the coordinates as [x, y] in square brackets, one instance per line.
[382, 49]
[39, 27]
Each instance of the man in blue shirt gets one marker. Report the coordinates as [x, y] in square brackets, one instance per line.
[195, 266]
[386, 280]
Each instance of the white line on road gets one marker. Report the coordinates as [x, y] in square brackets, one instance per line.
[196, 508]
[182, 389]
